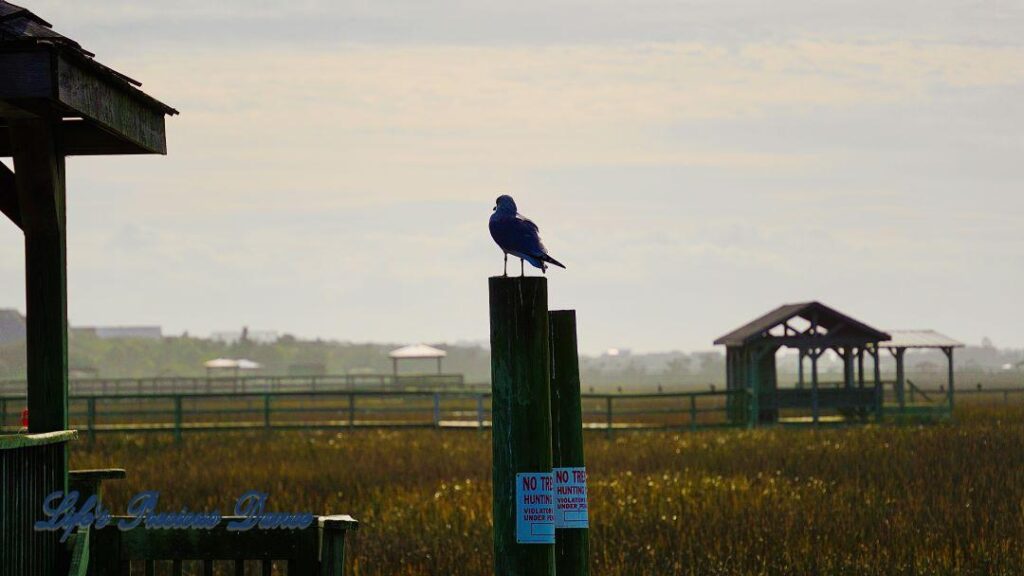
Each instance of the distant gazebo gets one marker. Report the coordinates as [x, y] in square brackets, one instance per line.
[416, 352]
[811, 328]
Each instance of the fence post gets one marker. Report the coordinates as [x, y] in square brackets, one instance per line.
[480, 412]
[693, 413]
[91, 417]
[177, 418]
[521, 421]
[608, 416]
[266, 411]
[351, 410]
[572, 542]
[437, 410]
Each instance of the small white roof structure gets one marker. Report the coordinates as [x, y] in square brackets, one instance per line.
[241, 364]
[417, 351]
[919, 339]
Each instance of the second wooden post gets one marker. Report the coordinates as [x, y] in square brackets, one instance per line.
[524, 534]
[572, 523]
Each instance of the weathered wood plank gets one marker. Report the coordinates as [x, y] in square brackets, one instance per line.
[34, 78]
[110, 105]
[26, 75]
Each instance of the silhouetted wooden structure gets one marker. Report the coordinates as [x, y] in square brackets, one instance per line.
[56, 101]
[812, 328]
[903, 340]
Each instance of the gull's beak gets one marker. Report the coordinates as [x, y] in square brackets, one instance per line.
[495, 209]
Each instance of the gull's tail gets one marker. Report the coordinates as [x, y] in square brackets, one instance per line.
[551, 260]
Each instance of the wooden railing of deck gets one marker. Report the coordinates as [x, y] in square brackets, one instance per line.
[31, 467]
[315, 551]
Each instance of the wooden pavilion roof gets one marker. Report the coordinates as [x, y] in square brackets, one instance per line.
[827, 324]
[43, 72]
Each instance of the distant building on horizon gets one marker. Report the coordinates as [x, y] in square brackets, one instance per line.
[12, 326]
[111, 332]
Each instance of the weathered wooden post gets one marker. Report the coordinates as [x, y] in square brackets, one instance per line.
[524, 534]
[572, 525]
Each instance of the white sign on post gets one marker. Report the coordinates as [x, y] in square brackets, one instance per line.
[571, 498]
[535, 508]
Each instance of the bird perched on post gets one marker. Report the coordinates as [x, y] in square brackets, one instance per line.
[515, 234]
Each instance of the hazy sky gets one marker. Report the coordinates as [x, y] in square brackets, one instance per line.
[693, 163]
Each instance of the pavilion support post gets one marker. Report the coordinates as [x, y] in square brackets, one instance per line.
[800, 371]
[438, 364]
[901, 377]
[860, 367]
[754, 381]
[847, 354]
[39, 177]
[949, 388]
[879, 390]
[815, 412]
[521, 422]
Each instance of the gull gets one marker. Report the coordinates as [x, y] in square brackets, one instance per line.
[515, 234]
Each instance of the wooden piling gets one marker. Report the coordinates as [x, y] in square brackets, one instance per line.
[520, 413]
[572, 545]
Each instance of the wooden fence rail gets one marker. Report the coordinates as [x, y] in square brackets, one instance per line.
[180, 413]
[234, 384]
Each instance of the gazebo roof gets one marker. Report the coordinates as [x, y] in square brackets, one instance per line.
[103, 111]
[417, 351]
[836, 324]
[241, 364]
[919, 339]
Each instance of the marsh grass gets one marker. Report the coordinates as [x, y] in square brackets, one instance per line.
[939, 499]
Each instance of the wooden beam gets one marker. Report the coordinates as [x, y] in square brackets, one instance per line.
[40, 78]
[39, 177]
[80, 138]
[9, 196]
[111, 105]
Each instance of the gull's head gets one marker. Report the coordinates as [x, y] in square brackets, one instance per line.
[505, 204]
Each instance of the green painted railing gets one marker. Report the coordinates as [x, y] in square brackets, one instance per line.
[31, 467]
[234, 384]
[180, 413]
[317, 551]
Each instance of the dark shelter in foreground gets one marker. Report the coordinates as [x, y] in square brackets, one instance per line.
[57, 101]
[812, 328]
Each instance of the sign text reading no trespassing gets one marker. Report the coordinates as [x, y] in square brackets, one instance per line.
[571, 498]
[535, 508]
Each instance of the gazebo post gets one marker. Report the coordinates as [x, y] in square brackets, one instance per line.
[814, 385]
[39, 178]
[439, 365]
[847, 353]
[949, 389]
[879, 390]
[800, 378]
[860, 367]
[898, 353]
